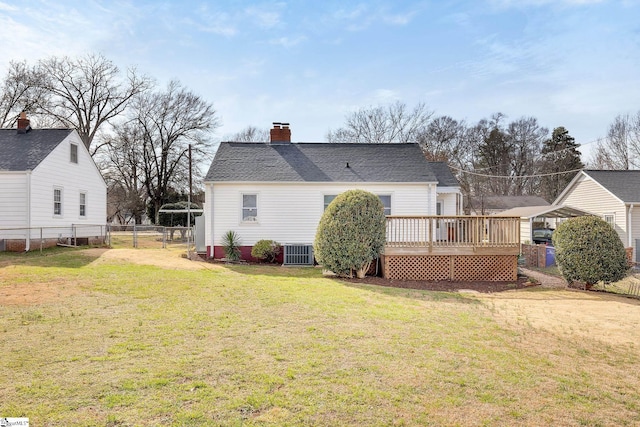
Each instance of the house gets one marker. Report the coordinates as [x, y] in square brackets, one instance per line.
[278, 189]
[614, 196]
[490, 205]
[51, 188]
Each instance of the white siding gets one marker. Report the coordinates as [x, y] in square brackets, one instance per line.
[13, 200]
[290, 213]
[592, 197]
[448, 203]
[57, 171]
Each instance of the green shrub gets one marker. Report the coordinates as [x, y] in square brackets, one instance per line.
[351, 233]
[589, 250]
[267, 250]
[231, 245]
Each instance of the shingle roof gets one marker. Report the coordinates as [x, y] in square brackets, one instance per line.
[444, 174]
[324, 162]
[25, 151]
[505, 202]
[625, 185]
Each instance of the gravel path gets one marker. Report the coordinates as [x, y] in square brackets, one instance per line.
[545, 280]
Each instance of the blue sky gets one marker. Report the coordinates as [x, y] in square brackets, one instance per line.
[572, 63]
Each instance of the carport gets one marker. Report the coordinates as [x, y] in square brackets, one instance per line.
[530, 214]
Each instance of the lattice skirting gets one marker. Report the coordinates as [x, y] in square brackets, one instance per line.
[495, 268]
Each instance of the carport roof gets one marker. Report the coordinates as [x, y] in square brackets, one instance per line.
[550, 211]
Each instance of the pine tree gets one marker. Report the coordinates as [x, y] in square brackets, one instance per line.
[559, 154]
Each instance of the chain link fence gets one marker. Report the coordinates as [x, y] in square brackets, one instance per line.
[39, 238]
[150, 237]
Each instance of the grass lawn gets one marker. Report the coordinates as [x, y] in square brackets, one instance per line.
[95, 340]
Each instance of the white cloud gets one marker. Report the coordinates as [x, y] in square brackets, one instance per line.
[288, 41]
[263, 18]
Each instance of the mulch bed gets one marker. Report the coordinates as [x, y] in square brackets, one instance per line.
[445, 286]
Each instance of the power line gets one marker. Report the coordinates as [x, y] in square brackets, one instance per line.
[539, 175]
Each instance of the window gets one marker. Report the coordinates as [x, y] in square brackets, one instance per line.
[611, 219]
[83, 204]
[386, 202]
[328, 198]
[249, 207]
[74, 153]
[57, 201]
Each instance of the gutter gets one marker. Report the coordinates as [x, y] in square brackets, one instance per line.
[630, 227]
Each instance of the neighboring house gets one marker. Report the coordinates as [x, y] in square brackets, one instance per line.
[490, 205]
[613, 195]
[278, 190]
[47, 179]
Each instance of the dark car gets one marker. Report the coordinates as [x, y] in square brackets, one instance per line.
[542, 236]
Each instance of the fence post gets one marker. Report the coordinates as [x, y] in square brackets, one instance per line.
[75, 234]
[135, 237]
[164, 237]
[41, 241]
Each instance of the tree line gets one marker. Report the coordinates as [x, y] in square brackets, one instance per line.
[137, 132]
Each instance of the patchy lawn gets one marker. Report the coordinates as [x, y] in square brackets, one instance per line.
[125, 337]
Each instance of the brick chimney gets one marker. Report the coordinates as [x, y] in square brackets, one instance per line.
[23, 123]
[280, 133]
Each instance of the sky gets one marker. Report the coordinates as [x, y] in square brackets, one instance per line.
[571, 63]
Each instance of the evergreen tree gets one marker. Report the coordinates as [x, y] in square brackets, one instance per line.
[559, 154]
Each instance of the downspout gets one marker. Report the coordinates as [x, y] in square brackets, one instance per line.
[630, 227]
[28, 242]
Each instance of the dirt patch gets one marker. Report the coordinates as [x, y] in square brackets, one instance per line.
[165, 258]
[607, 318]
[36, 293]
[445, 286]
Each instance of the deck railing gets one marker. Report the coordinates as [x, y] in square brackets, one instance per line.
[453, 231]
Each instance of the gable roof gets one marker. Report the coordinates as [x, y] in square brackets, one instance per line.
[324, 162]
[625, 184]
[25, 151]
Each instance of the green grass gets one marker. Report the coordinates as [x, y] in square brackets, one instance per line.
[252, 345]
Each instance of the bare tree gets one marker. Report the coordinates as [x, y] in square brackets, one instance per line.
[526, 137]
[251, 134]
[121, 163]
[169, 122]
[87, 92]
[21, 90]
[443, 139]
[382, 124]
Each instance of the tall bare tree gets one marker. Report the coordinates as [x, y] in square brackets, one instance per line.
[169, 122]
[21, 90]
[87, 92]
[391, 123]
[526, 137]
[620, 150]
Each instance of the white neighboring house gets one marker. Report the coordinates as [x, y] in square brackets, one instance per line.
[48, 179]
[614, 196]
[278, 190]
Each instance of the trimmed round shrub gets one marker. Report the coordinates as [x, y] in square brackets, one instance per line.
[267, 250]
[351, 233]
[589, 250]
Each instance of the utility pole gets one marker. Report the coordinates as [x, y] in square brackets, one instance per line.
[189, 209]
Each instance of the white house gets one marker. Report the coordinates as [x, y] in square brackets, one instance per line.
[278, 190]
[49, 185]
[613, 195]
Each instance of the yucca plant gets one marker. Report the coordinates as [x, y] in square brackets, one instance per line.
[231, 245]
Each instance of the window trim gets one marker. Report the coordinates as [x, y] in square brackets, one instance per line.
[82, 213]
[59, 202]
[72, 152]
[611, 215]
[242, 208]
[324, 196]
[390, 196]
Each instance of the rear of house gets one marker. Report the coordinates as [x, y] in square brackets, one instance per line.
[278, 190]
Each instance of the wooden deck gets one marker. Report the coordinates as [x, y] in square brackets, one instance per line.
[452, 248]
